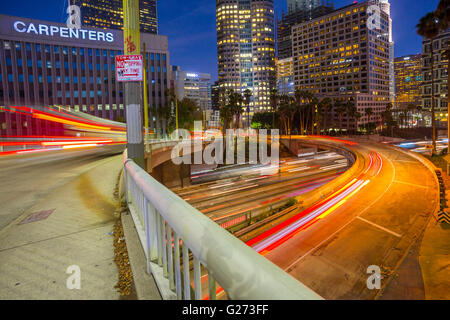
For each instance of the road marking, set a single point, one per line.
(379, 227)
(351, 220)
(411, 184)
(409, 161)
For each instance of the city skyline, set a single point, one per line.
(194, 30)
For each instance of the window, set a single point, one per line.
(49, 79)
(56, 49)
(8, 62)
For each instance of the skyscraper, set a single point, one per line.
(300, 14)
(246, 49)
(340, 56)
(408, 81)
(440, 67)
(109, 14)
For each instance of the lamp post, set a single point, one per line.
(131, 37)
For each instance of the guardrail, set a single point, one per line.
(170, 229)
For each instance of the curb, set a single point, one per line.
(146, 288)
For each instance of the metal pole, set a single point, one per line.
(145, 103)
(131, 35)
(176, 107)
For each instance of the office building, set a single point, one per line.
(193, 85)
(285, 76)
(47, 64)
(408, 81)
(304, 11)
(440, 75)
(109, 14)
(338, 56)
(246, 49)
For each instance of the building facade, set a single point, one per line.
(246, 49)
(193, 85)
(339, 56)
(305, 10)
(215, 96)
(285, 76)
(440, 67)
(47, 64)
(408, 81)
(109, 14)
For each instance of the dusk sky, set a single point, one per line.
(191, 26)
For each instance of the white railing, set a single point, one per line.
(177, 238)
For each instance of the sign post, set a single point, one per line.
(130, 70)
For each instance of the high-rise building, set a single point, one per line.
(285, 76)
(109, 14)
(304, 12)
(193, 85)
(246, 49)
(408, 81)
(341, 56)
(440, 74)
(47, 64)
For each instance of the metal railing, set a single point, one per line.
(177, 238)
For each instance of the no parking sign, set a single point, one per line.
(129, 68)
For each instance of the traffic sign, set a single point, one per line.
(129, 68)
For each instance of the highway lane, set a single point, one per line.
(377, 226)
(28, 178)
(240, 189)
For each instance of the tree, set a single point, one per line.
(274, 100)
(429, 29)
(369, 113)
(388, 119)
(351, 111)
(324, 106)
(339, 109)
(247, 96)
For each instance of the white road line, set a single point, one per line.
(411, 184)
(379, 227)
(345, 225)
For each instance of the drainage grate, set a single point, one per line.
(37, 216)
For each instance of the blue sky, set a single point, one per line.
(190, 25)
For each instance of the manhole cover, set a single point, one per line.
(37, 216)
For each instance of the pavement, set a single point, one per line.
(434, 255)
(35, 256)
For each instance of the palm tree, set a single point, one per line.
(369, 113)
(443, 15)
(350, 110)
(274, 100)
(429, 29)
(324, 106)
(339, 109)
(247, 96)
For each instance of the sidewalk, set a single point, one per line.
(434, 255)
(34, 256)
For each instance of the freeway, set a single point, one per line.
(372, 221)
(28, 177)
(238, 189)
